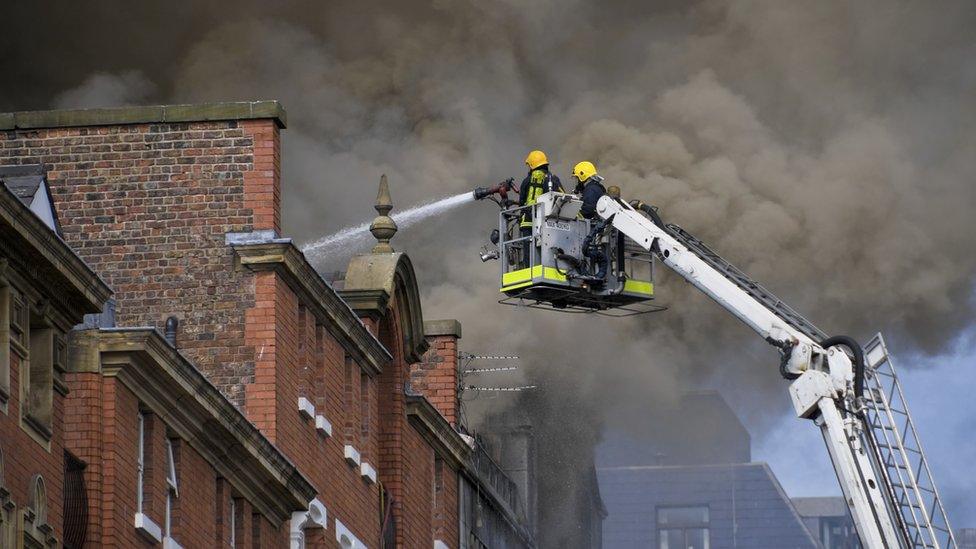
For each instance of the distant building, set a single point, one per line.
(966, 538)
(563, 506)
(829, 520)
(692, 485)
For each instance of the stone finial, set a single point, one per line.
(383, 227)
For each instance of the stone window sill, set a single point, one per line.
(148, 529)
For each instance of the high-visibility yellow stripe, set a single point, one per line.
(513, 277)
(515, 286)
(551, 273)
(639, 287)
(525, 277)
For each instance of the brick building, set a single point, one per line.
(277, 411)
(44, 290)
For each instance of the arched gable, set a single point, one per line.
(375, 284)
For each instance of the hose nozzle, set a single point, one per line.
(500, 189)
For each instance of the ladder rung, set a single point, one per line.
(894, 448)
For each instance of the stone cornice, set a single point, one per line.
(203, 112)
(282, 257)
(368, 303)
(437, 431)
(196, 410)
(79, 288)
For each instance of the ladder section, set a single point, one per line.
(898, 451)
(748, 285)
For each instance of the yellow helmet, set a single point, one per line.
(584, 170)
(536, 159)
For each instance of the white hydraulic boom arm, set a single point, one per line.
(824, 387)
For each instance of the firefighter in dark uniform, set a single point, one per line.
(590, 187)
(538, 182)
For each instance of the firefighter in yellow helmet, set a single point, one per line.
(589, 185)
(538, 182)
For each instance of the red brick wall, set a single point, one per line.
(119, 420)
(83, 438)
(147, 207)
(107, 412)
(436, 376)
(24, 457)
(195, 518)
(446, 511)
(406, 460)
(260, 335)
(297, 357)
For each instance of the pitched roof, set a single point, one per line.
(28, 182)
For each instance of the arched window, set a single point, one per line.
(37, 532)
(37, 500)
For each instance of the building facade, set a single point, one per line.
(829, 520)
(693, 485)
(277, 411)
(45, 289)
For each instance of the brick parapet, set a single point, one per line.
(436, 375)
(147, 206)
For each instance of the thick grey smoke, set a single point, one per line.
(826, 148)
(107, 90)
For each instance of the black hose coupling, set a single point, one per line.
(857, 351)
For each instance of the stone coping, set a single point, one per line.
(446, 327)
(115, 116)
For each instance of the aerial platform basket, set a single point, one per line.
(546, 269)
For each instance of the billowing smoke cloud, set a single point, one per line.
(107, 90)
(828, 149)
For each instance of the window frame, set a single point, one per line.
(172, 489)
(19, 322)
(684, 527)
(140, 461)
(232, 539)
(5, 306)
